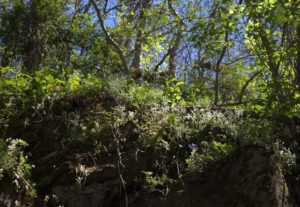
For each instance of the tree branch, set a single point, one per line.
(178, 36)
(161, 61)
(246, 85)
(218, 68)
(109, 38)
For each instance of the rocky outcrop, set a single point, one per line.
(251, 177)
(93, 195)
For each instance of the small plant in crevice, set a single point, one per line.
(207, 153)
(81, 174)
(15, 164)
(155, 180)
(283, 155)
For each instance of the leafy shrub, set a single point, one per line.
(124, 89)
(173, 90)
(14, 163)
(145, 94)
(155, 180)
(48, 82)
(207, 153)
(228, 120)
(283, 155)
(255, 131)
(160, 124)
(20, 92)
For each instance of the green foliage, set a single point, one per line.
(47, 82)
(284, 156)
(56, 63)
(156, 181)
(124, 89)
(29, 30)
(255, 130)
(14, 163)
(173, 90)
(206, 154)
(282, 98)
(160, 125)
(145, 94)
(22, 91)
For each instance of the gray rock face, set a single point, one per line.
(93, 195)
(252, 179)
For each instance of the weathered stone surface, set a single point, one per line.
(94, 195)
(10, 197)
(250, 179)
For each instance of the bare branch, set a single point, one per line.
(218, 68)
(246, 85)
(109, 38)
(161, 61)
(178, 36)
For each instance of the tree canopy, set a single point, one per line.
(231, 52)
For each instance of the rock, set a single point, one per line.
(251, 178)
(10, 197)
(94, 195)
